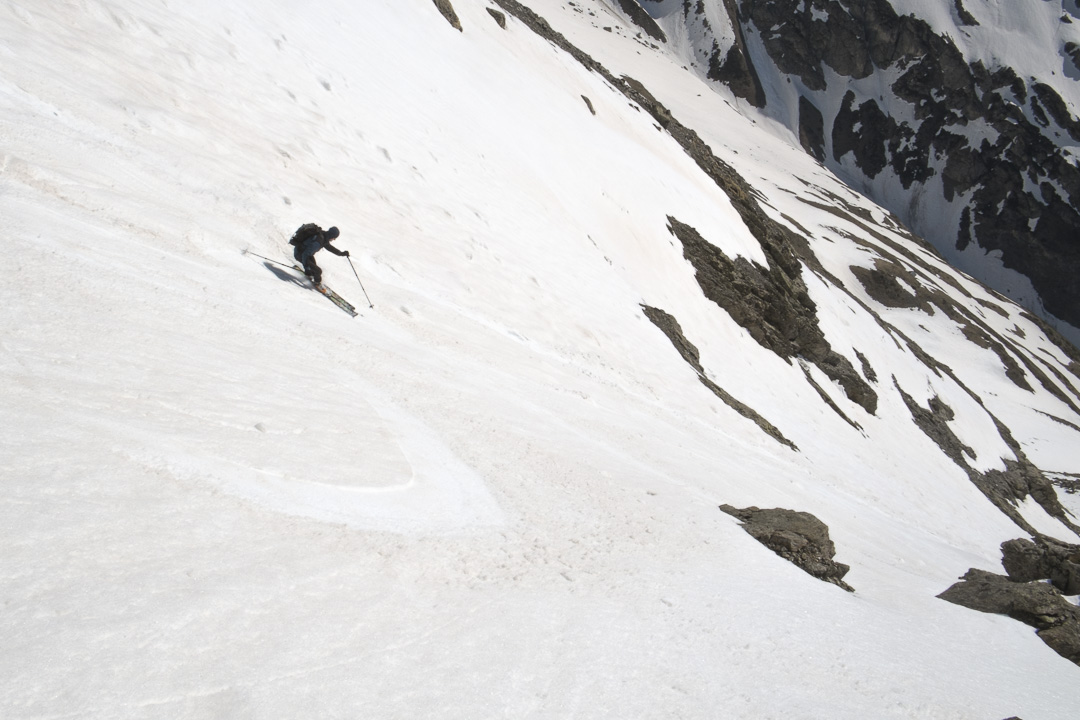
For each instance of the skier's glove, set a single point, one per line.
(345, 253)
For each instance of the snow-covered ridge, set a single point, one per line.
(495, 493)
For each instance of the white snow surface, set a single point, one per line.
(494, 494)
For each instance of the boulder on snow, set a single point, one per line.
(1043, 559)
(447, 11)
(798, 537)
(1038, 604)
(499, 17)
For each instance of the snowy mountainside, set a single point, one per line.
(495, 493)
(960, 117)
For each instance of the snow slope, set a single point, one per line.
(495, 493)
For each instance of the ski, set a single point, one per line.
(329, 294)
(321, 289)
(336, 299)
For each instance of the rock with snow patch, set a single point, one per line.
(1037, 604)
(983, 139)
(1043, 559)
(798, 537)
(689, 352)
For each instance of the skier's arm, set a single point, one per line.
(331, 248)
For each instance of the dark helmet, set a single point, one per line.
(332, 233)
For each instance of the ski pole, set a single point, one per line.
(370, 304)
(248, 252)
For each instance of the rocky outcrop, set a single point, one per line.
(811, 129)
(1019, 190)
(771, 304)
(689, 352)
(1004, 488)
(1024, 596)
(736, 70)
(642, 19)
(447, 11)
(799, 537)
(1043, 558)
(1042, 606)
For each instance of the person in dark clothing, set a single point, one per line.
(312, 242)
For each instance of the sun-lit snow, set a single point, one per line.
(494, 493)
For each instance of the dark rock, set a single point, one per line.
(642, 19)
(882, 283)
(499, 17)
(798, 537)
(1057, 109)
(934, 422)
(737, 70)
(863, 131)
(867, 369)
(645, 98)
(1036, 232)
(811, 129)
(1037, 604)
(1070, 486)
(1012, 369)
(1004, 488)
(771, 303)
(826, 398)
(1043, 559)
(447, 11)
(1072, 51)
(689, 352)
(588, 104)
(965, 17)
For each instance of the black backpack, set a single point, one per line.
(304, 232)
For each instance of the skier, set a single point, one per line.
(310, 239)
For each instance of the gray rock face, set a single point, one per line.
(1019, 190)
(1043, 559)
(798, 537)
(1035, 603)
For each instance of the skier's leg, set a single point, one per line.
(312, 270)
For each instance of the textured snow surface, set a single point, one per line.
(495, 493)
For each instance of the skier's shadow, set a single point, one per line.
(284, 274)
